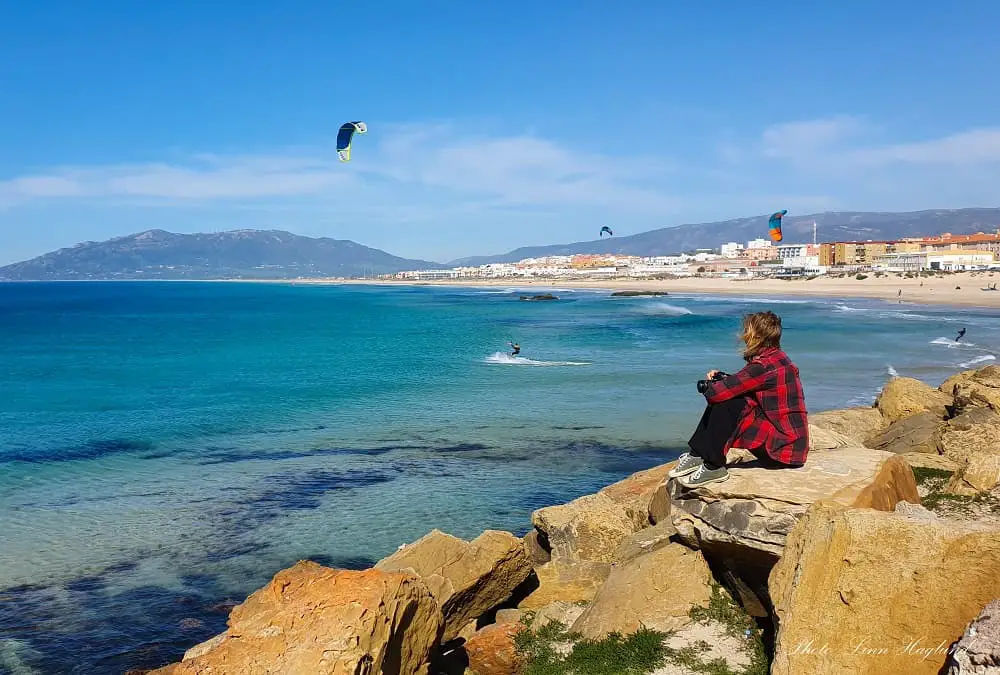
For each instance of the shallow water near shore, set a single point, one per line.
(165, 448)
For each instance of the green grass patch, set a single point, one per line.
(925, 475)
(949, 503)
(641, 652)
(934, 481)
(636, 654)
(723, 609)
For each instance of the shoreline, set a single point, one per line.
(934, 291)
(957, 289)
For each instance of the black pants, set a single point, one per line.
(716, 427)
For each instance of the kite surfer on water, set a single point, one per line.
(961, 334)
(515, 348)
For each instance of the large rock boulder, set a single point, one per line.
(757, 507)
(904, 396)
(536, 548)
(492, 651)
(643, 495)
(826, 439)
(929, 461)
(858, 424)
(313, 620)
(917, 433)
(572, 581)
(978, 652)
(466, 578)
(656, 590)
(589, 528)
(644, 541)
(875, 593)
(972, 440)
(978, 388)
(592, 527)
(973, 417)
(565, 613)
(980, 473)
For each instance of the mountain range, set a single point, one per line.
(274, 254)
(830, 226)
(239, 254)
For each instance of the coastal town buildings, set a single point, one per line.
(756, 258)
(730, 250)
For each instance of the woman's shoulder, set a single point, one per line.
(773, 357)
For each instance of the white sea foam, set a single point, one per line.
(864, 400)
(953, 344)
(12, 657)
(505, 359)
(893, 313)
(979, 359)
(892, 371)
(743, 299)
(662, 309)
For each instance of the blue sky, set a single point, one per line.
(491, 125)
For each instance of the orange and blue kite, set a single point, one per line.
(774, 224)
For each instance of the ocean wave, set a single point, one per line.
(892, 371)
(540, 289)
(505, 359)
(953, 344)
(863, 400)
(979, 359)
(743, 299)
(893, 314)
(662, 309)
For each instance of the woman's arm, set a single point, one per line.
(753, 377)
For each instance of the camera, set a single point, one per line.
(703, 384)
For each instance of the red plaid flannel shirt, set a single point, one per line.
(775, 415)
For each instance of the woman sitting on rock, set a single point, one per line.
(760, 409)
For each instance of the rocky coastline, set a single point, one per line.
(880, 556)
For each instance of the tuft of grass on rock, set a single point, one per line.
(722, 609)
(925, 475)
(553, 650)
(949, 504)
(932, 482)
(636, 654)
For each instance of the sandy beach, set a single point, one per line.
(963, 288)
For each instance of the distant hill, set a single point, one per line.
(247, 254)
(831, 226)
(274, 254)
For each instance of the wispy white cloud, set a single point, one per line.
(799, 139)
(973, 147)
(31, 187)
(840, 139)
(408, 164)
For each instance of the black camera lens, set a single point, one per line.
(702, 386)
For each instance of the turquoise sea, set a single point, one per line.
(166, 447)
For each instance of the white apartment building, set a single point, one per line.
(730, 250)
(759, 243)
(793, 250)
(946, 261)
(809, 264)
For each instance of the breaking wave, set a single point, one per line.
(504, 359)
